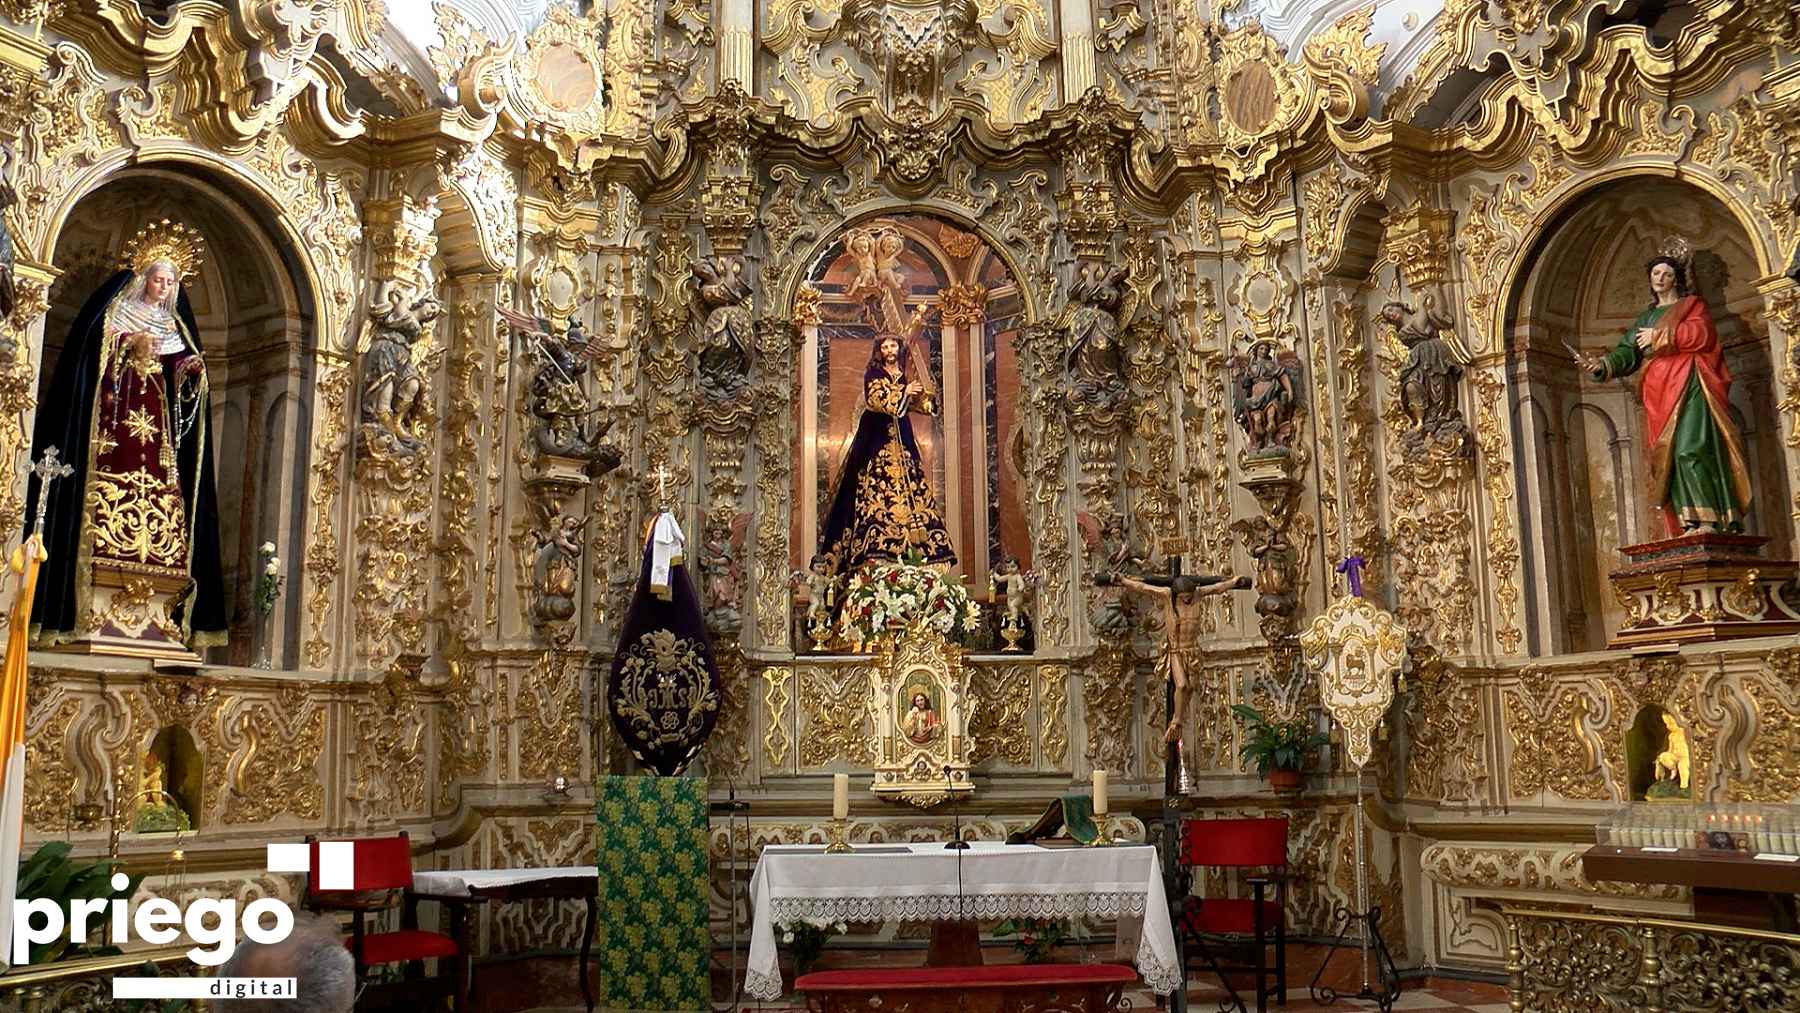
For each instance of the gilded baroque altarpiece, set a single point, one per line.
(1267, 208)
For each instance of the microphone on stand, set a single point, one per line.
(956, 841)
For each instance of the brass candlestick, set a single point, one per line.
(837, 836)
(820, 630)
(1102, 824)
(1014, 632)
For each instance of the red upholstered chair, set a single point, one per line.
(382, 879)
(1239, 844)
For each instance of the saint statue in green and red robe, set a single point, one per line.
(1698, 473)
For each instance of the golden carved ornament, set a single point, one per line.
(776, 740)
(1555, 870)
(1553, 748)
(834, 716)
(1330, 196)
(728, 747)
(1417, 240)
(1265, 291)
(1053, 709)
(275, 767)
(1106, 694)
(963, 305)
(999, 728)
(806, 305)
(549, 702)
(1558, 959)
(1502, 540)
(562, 72)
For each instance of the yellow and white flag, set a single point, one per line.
(25, 561)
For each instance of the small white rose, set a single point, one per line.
(273, 567)
(787, 937)
(268, 548)
(841, 927)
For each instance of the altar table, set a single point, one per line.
(578, 882)
(922, 883)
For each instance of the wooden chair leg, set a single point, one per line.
(1281, 959)
(459, 996)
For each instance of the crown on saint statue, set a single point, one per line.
(165, 240)
(1678, 249)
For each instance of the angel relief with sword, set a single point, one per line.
(563, 419)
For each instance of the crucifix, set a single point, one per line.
(48, 469)
(662, 475)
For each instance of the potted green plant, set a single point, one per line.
(1278, 748)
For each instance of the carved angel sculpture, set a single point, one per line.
(556, 571)
(395, 340)
(876, 249)
(721, 292)
(1265, 396)
(557, 399)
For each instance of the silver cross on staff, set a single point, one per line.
(48, 469)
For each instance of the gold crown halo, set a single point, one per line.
(165, 240)
(1680, 249)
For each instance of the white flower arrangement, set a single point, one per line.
(897, 595)
(268, 583)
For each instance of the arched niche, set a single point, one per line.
(254, 312)
(1581, 448)
(974, 452)
(1655, 751)
(171, 782)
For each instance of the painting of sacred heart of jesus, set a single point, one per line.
(919, 690)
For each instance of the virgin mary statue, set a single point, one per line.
(129, 407)
(884, 508)
(1698, 474)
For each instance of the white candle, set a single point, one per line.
(1099, 793)
(840, 796)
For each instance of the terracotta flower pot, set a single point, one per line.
(1285, 780)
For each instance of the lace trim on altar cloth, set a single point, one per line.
(1162, 978)
(766, 987)
(950, 907)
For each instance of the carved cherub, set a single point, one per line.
(556, 571)
(876, 248)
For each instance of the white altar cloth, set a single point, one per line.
(459, 882)
(794, 884)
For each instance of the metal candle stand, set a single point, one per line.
(1367, 922)
(1358, 691)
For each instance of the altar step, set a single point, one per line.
(548, 984)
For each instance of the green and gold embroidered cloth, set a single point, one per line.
(653, 935)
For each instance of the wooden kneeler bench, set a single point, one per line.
(1007, 988)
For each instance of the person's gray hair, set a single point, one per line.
(313, 955)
